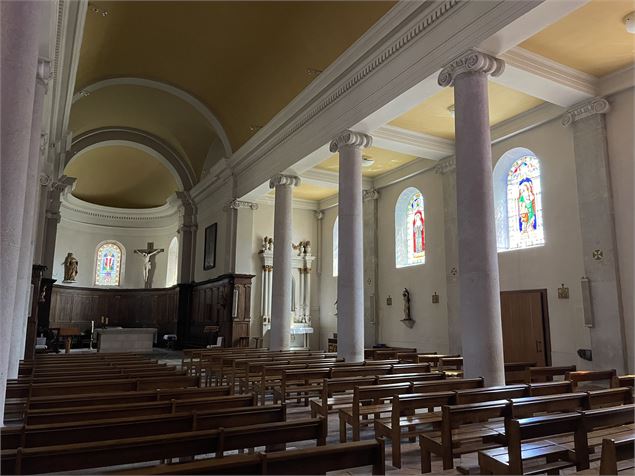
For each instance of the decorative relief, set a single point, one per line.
(318, 214)
(43, 73)
(472, 61)
(370, 194)
(281, 179)
(351, 138)
(236, 204)
(445, 165)
(585, 109)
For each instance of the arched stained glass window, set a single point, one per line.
(518, 200)
(108, 264)
(410, 236)
(335, 246)
(172, 271)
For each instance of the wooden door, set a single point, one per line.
(525, 320)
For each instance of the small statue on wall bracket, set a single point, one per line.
(70, 268)
(407, 318)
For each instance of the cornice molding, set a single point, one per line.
(446, 165)
(617, 81)
(219, 176)
(284, 180)
(412, 143)
(585, 109)
(348, 138)
(297, 203)
(327, 178)
(472, 61)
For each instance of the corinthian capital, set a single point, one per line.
(472, 61)
(236, 204)
(585, 109)
(352, 138)
(281, 179)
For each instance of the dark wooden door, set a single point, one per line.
(525, 319)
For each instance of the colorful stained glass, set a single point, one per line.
(524, 204)
(410, 241)
(108, 265)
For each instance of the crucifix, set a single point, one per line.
(148, 253)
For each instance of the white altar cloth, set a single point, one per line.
(126, 339)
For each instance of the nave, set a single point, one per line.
(256, 411)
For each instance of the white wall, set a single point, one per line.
(328, 283)
(560, 259)
(430, 333)
(620, 126)
(82, 240)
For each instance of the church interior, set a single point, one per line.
(310, 237)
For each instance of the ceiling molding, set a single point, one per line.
(219, 175)
(412, 143)
(74, 210)
(545, 79)
(130, 137)
(326, 178)
(298, 203)
(166, 88)
(617, 81)
(410, 43)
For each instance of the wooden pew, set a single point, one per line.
(546, 374)
(106, 453)
(96, 375)
(404, 417)
(515, 371)
(319, 460)
(550, 388)
(615, 450)
(591, 376)
(610, 397)
(100, 386)
(451, 366)
(31, 436)
(446, 385)
(306, 382)
(96, 412)
(624, 381)
(487, 394)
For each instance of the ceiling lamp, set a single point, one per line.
(629, 21)
(367, 161)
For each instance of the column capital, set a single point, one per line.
(584, 109)
(446, 165)
(352, 138)
(236, 204)
(318, 214)
(370, 194)
(472, 61)
(281, 179)
(62, 183)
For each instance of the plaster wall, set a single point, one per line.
(82, 240)
(328, 282)
(619, 127)
(430, 332)
(560, 259)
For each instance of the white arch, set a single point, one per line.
(172, 271)
(167, 88)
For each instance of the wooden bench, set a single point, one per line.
(96, 412)
(446, 385)
(513, 459)
(337, 392)
(303, 382)
(451, 366)
(405, 421)
(610, 397)
(487, 394)
(106, 453)
(591, 376)
(550, 388)
(546, 374)
(318, 460)
(624, 381)
(464, 429)
(614, 451)
(113, 428)
(515, 371)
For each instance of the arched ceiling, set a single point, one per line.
(244, 60)
(121, 176)
(161, 114)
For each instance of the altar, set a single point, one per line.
(125, 339)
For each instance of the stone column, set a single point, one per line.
(447, 169)
(371, 325)
(479, 308)
(56, 189)
(599, 247)
(23, 284)
(19, 27)
(281, 290)
(187, 237)
(350, 268)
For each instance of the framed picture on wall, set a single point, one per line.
(209, 257)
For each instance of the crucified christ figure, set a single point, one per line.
(148, 253)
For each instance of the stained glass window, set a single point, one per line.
(524, 204)
(410, 237)
(335, 246)
(108, 265)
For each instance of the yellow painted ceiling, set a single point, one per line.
(306, 191)
(591, 39)
(120, 176)
(151, 110)
(385, 161)
(432, 115)
(244, 60)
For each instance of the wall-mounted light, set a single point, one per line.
(629, 22)
(435, 298)
(367, 161)
(563, 292)
(389, 301)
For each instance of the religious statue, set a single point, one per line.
(70, 268)
(147, 254)
(407, 319)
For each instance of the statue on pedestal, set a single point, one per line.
(71, 265)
